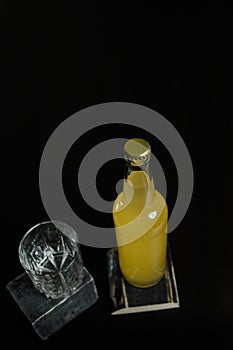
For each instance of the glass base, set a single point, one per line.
(130, 299)
(49, 315)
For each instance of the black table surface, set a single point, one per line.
(58, 63)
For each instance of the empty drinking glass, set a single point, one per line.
(51, 256)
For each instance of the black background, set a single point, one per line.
(59, 60)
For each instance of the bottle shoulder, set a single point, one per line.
(158, 202)
(119, 202)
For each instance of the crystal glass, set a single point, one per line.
(51, 256)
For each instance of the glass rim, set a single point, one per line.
(44, 223)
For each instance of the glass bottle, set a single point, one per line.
(140, 216)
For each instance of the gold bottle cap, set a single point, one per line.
(137, 151)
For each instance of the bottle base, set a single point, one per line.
(139, 285)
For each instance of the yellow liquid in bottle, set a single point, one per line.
(140, 216)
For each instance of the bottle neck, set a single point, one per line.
(130, 168)
(138, 182)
